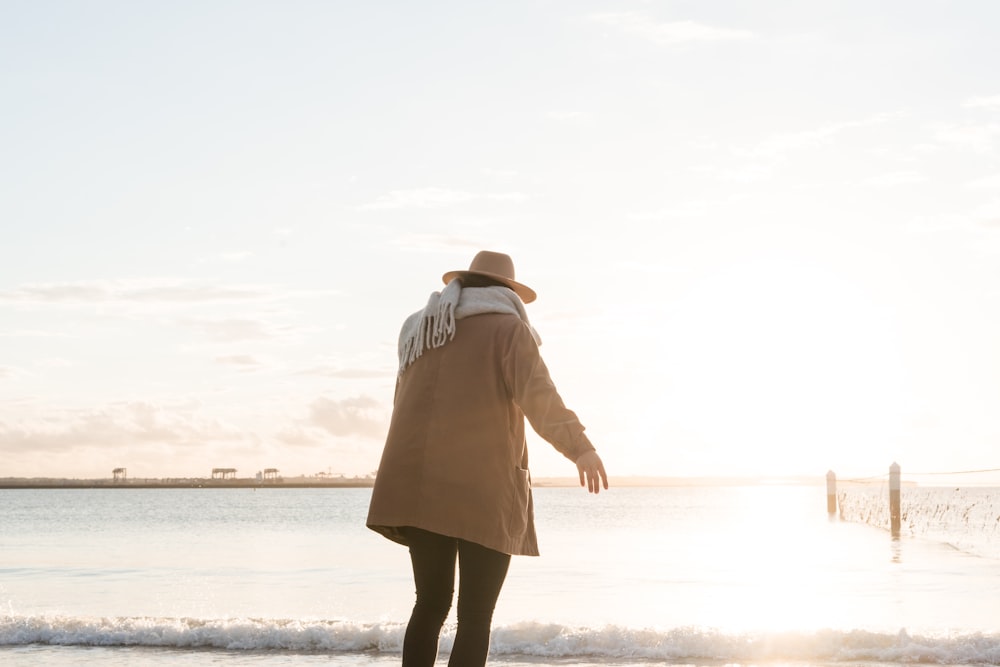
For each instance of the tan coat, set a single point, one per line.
(455, 460)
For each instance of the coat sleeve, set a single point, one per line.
(535, 393)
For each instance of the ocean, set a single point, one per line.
(679, 575)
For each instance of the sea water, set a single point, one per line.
(661, 575)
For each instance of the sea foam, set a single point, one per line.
(528, 639)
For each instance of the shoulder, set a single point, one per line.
(505, 323)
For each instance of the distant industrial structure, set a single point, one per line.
(222, 478)
(269, 474)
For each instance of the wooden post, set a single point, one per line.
(831, 492)
(894, 485)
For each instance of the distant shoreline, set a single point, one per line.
(17, 483)
(356, 483)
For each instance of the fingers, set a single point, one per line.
(595, 477)
(587, 478)
(592, 474)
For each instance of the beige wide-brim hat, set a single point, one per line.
(499, 267)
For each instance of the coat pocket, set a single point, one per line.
(521, 505)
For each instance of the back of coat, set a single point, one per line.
(455, 460)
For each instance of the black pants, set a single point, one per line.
(482, 573)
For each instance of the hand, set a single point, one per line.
(591, 468)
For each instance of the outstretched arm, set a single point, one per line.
(591, 469)
(534, 391)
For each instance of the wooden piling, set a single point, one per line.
(831, 492)
(894, 513)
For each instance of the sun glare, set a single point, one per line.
(766, 573)
(773, 355)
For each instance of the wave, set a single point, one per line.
(529, 639)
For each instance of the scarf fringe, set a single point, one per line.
(435, 325)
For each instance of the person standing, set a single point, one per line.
(453, 481)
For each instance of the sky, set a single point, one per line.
(765, 236)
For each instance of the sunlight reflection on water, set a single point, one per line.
(734, 558)
(740, 559)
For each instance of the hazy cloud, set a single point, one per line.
(574, 117)
(434, 242)
(115, 425)
(894, 178)
(6, 372)
(232, 329)
(298, 436)
(54, 362)
(682, 210)
(434, 198)
(978, 137)
(32, 333)
(991, 101)
(131, 292)
(985, 183)
(988, 214)
(362, 416)
(499, 173)
(243, 362)
(780, 144)
(349, 373)
(746, 173)
(236, 255)
(938, 224)
(671, 32)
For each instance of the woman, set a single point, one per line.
(454, 478)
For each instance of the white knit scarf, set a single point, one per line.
(435, 324)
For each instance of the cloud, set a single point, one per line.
(569, 116)
(6, 372)
(978, 137)
(434, 198)
(683, 210)
(55, 362)
(780, 144)
(434, 243)
(235, 255)
(672, 32)
(115, 426)
(32, 333)
(362, 416)
(242, 362)
(746, 173)
(298, 436)
(985, 183)
(942, 223)
(499, 173)
(988, 214)
(233, 329)
(990, 102)
(151, 291)
(350, 373)
(894, 178)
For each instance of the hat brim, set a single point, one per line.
(526, 293)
